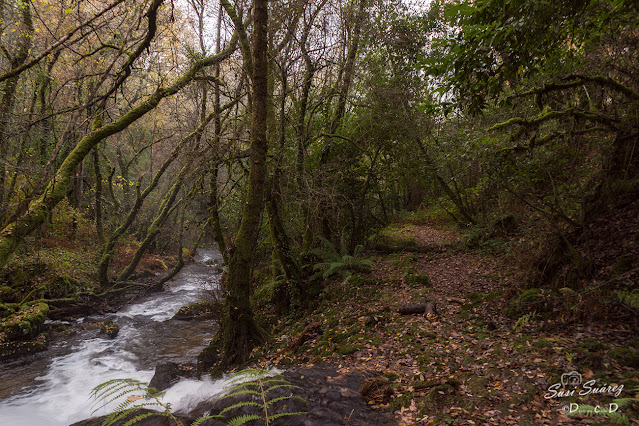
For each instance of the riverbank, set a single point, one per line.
(467, 361)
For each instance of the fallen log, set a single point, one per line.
(430, 311)
(412, 309)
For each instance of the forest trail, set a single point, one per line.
(471, 364)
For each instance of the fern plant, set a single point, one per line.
(338, 262)
(524, 320)
(136, 395)
(615, 416)
(258, 384)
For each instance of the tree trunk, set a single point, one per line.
(290, 294)
(239, 330)
(154, 229)
(98, 196)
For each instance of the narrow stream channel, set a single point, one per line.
(52, 388)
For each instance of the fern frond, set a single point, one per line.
(115, 389)
(112, 418)
(241, 404)
(283, 398)
(278, 415)
(144, 416)
(327, 251)
(242, 392)
(200, 420)
(282, 385)
(245, 418)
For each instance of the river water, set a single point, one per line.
(52, 388)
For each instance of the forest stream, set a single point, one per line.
(53, 387)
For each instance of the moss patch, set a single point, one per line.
(26, 323)
(625, 356)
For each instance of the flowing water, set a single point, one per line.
(52, 388)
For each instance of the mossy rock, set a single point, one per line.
(7, 294)
(208, 357)
(16, 348)
(198, 310)
(110, 328)
(592, 345)
(61, 286)
(622, 265)
(20, 275)
(419, 280)
(26, 323)
(527, 301)
(625, 356)
(7, 309)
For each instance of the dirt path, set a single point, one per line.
(471, 364)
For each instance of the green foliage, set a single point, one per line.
(499, 42)
(136, 395)
(524, 320)
(630, 299)
(258, 383)
(524, 303)
(613, 414)
(393, 238)
(625, 356)
(338, 262)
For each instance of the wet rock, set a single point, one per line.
(169, 373)
(157, 419)
(199, 310)
(110, 328)
(208, 357)
(16, 348)
(325, 396)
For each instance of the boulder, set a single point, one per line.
(110, 328)
(16, 348)
(168, 373)
(27, 323)
(199, 310)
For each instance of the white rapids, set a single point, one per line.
(60, 395)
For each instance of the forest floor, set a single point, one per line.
(469, 364)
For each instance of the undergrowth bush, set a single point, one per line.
(339, 262)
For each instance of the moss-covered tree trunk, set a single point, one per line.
(214, 206)
(154, 229)
(240, 333)
(289, 295)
